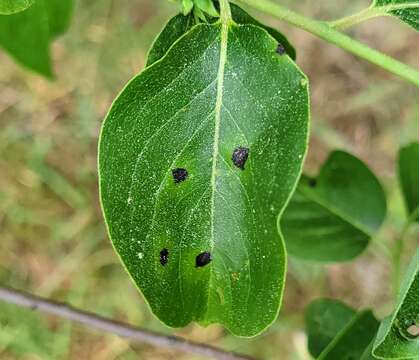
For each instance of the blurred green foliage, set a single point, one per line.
(27, 35)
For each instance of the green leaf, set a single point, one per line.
(59, 15)
(174, 29)
(367, 355)
(242, 17)
(352, 341)
(171, 191)
(405, 10)
(187, 6)
(336, 331)
(207, 6)
(397, 337)
(332, 218)
(324, 319)
(179, 25)
(201, 7)
(8, 7)
(27, 35)
(409, 178)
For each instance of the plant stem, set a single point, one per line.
(369, 13)
(357, 18)
(124, 330)
(326, 32)
(225, 12)
(398, 251)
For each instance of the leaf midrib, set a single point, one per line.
(215, 152)
(165, 124)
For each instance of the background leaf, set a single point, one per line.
(187, 6)
(332, 218)
(59, 15)
(8, 7)
(367, 355)
(27, 35)
(396, 339)
(207, 6)
(176, 185)
(180, 24)
(324, 318)
(409, 178)
(405, 10)
(335, 331)
(353, 340)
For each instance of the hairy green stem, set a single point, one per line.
(369, 13)
(357, 18)
(326, 32)
(225, 12)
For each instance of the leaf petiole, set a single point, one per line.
(369, 13)
(225, 11)
(351, 20)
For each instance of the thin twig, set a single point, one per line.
(124, 330)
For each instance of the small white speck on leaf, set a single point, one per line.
(413, 330)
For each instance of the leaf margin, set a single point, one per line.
(388, 324)
(16, 9)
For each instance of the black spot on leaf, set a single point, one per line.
(312, 183)
(164, 256)
(179, 175)
(240, 156)
(203, 259)
(280, 50)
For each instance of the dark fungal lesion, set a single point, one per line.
(179, 175)
(203, 259)
(164, 256)
(280, 50)
(312, 183)
(240, 156)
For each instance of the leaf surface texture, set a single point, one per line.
(193, 219)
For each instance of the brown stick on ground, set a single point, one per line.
(108, 325)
